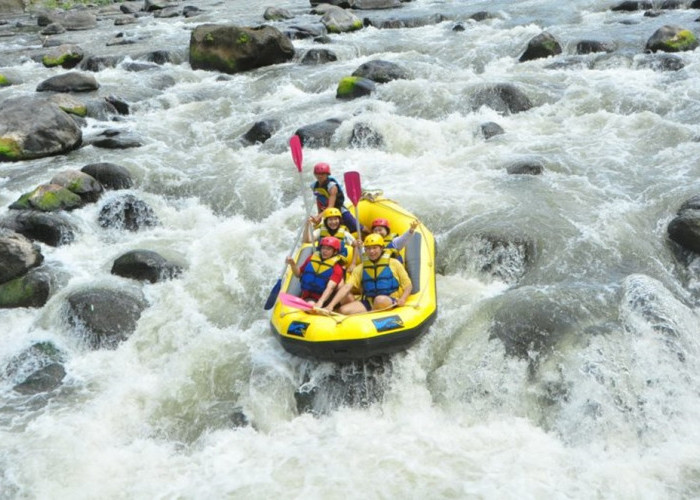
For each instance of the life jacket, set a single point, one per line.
(389, 247)
(340, 234)
(317, 273)
(377, 277)
(322, 195)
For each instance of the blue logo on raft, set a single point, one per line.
(388, 323)
(297, 328)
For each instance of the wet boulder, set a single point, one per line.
(48, 198)
(374, 4)
(145, 265)
(352, 87)
(67, 56)
(37, 369)
(29, 290)
(660, 62)
(318, 134)
(110, 175)
(115, 139)
(69, 104)
(53, 29)
(526, 166)
(406, 21)
(53, 229)
(381, 71)
(542, 46)
(337, 20)
(364, 136)
(491, 129)
(233, 49)
(34, 128)
(127, 212)
(153, 5)
(78, 20)
(684, 229)
(17, 255)
(98, 63)
(504, 98)
(592, 46)
(261, 131)
(672, 39)
(100, 109)
(80, 183)
(104, 317)
(632, 5)
(318, 56)
(276, 14)
(4, 81)
(72, 81)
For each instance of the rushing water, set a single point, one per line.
(202, 402)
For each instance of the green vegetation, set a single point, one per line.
(9, 149)
(16, 292)
(684, 40)
(243, 38)
(3, 80)
(346, 85)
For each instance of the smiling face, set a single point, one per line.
(374, 252)
(380, 230)
(333, 222)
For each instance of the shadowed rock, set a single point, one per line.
(30, 290)
(490, 129)
(504, 98)
(541, 46)
(145, 265)
(127, 212)
(352, 87)
(672, 39)
(17, 255)
(318, 56)
(104, 317)
(69, 82)
(36, 369)
(261, 131)
(50, 228)
(381, 71)
(363, 136)
(318, 134)
(110, 175)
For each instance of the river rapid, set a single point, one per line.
(202, 402)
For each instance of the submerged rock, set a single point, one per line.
(381, 71)
(127, 212)
(145, 265)
(36, 369)
(261, 131)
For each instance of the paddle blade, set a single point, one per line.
(353, 186)
(294, 301)
(272, 298)
(297, 155)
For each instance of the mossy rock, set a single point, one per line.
(30, 290)
(70, 104)
(351, 87)
(4, 82)
(49, 198)
(9, 149)
(672, 39)
(66, 60)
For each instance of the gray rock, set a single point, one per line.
(261, 131)
(591, 46)
(526, 167)
(318, 134)
(30, 290)
(381, 71)
(491, 129)
(363, 136)
(276, 14)
(72, 81)
(36, 369)
(110, 175)
(80, 183)
(542, 46)
(127, 212)
(337, 20)
(504, 98)
(17, 255)
(35, 128)
(145, 265)
(53, 29)
(52, 229)
(672, 39)
(318, 56)
(233, 49)
(104, 317)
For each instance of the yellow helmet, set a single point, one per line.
(331, 212)
(374, 239)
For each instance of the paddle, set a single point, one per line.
(354, 189)
(298, 303)
(298, 158)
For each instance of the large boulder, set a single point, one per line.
(127, 212)
(80, 183)
(145, 265)
(318, 134)
(53, 229)
(110, 175)
(337, 20)
(505, 98)
(232, 49)
(33, 128)
(30, 290)
(72, 81)
(48, 198)
(381, 71)
(78, 20)
(17, 255)
(672, 39)
(104, 317)
(543, 45)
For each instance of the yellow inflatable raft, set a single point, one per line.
(359, 336)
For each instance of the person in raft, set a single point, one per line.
(329, 193)
(392, 241)
(381, 282)
(331, 227)
(320, 273)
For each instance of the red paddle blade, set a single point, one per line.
(297, 155)
(293, 301)
(353, 186)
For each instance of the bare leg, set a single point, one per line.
(354, 307)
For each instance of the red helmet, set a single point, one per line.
(322, 168)
(380, 222)
(330, 241)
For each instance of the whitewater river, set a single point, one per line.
(602, 399)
